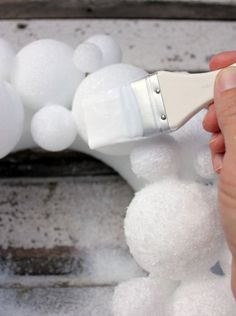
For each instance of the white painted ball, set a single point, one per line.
(139, 297)
(173, 228)
(156, 158)
(88, 57)
(44, 73)
(7, 55)
(53, 128)
(11, 119)
(204, 296)
(111, 52)
(101, 81)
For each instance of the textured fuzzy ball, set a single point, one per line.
(7, 55)
(44, 73)
(205, 296)
(111, 52)
(53, 128)
(11, 119)
(88, 57)
(156, 159)
(226, 260)
(203, 164)
(173, 229)
(139, 297)
(103, 80)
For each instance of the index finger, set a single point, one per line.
(222, 60)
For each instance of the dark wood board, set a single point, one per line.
(28, 9)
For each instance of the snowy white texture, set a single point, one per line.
(203, 164)
(204, 296)
(226, 260)
(173, 229)
(110, 77)
(53, 128)
(139, 297)
(111, 52)
(44, 73)
(11, 119)
(156, 159)
(88, 57)
(7, 55)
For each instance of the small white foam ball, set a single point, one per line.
(173, 228)
(203, 164)
(44, 73)
(7, 55)
(139, 297)
(155, 159)
(53, 128)
(11, 119)
(205, 296)
(101, 81)
(111, 52)
(226, 260)
(88, 57)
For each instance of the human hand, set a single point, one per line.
(221, 122)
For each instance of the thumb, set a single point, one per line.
(225, 104)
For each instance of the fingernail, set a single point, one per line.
(213, 138)
(226, 79)
(217, 162)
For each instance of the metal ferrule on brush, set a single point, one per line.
(148, 95)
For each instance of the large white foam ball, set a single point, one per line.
(205, 296)
(111, 52)
(139, 297)
(156, 159)
(88, 57)
(173, 229)
(226, 260)
(53, 128)
(44, 73)
(7, 55)
(11, 119)
(102, 81)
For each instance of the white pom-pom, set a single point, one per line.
(139, 297)
(44, 73)
(88, 57)
(99, 82)
(156, 159)
(205, 296)
(7, 55)
(203, 164)
(11, 119)
(110, 49)
(226, 260)
(53, 128)
(173, 229)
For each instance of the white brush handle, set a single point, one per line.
(185, 94)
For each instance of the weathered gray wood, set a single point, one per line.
(197, 9)
(150, 44)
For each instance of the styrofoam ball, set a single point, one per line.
(88, 57)
(11, 119)
(226, 260)
(173, 228)
(139, 297)
(155, 159)
(103, 80)
(111, 52)
(7, 55)
(203, 164)
(53, 128)
(205, 296)
(44, 73)
(167, 286)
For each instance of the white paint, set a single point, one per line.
(53, 128)
(7, 55)
(11, 119)
(44, 73)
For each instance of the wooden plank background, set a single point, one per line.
(171, 9)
